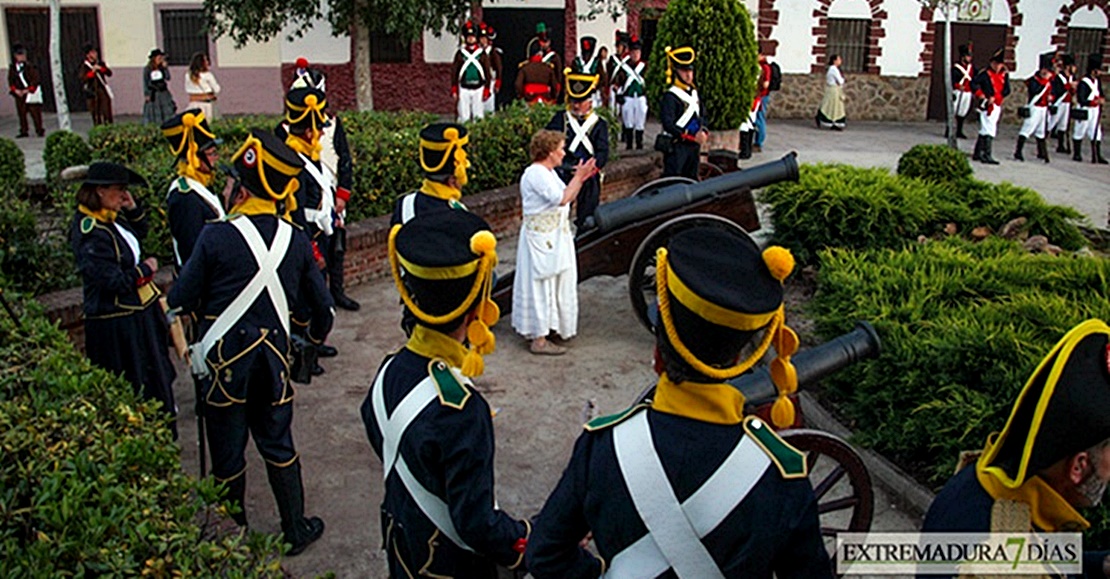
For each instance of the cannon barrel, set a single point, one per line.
(813, 364)
(617, 213)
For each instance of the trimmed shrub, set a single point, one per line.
(64, 149)
(90, 479)
(727, 64)
(31, 260)
(936, 163)
(13, 171)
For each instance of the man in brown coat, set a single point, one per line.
(94, 84)
(24, 86)
(536, 82)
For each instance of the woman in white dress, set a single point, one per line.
(201, 86)
(831, 115)
(545, 286)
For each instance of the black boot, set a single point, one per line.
(1063, 144)
(299, 531)
(988, 154)
(639, 140)
(1077, 150)
(1096, 153)
(236, 495)
(978, 154)
(960, 128)
(626, 138)
(1042, 150)
(746, 139)
(1018, 154)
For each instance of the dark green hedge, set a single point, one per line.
(937, 163)
(13, 172)
(90, 479)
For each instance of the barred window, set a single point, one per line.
(1082, 42)
(850, 38)
(389, 48)
(184, 33)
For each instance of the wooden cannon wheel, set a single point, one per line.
(641, 274)
(707, 170)
(845, 498)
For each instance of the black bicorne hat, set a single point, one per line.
(104, 173)
(19, 49)
(266, 166)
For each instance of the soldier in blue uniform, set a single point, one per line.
(125, 332)
(1052, 457)
(587, 138)
(681, 115)
(424, 418)
(685, 485)
(244, 273)
(189, 202)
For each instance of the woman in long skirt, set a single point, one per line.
(831, 114)
(159, 106)
(545, 286)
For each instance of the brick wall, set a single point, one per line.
(366, 240)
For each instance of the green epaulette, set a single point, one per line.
(183, 185)
(87, 224)
(790, 461)
(451, 391)
(456, 204)
(602, 422)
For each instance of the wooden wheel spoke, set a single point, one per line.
(831, 532)
(837, 505)
(829, 481)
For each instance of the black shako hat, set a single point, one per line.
(443, 266)
(304, 109)
(104, 173)
(580, 86)
(1045, 60)
(715, 290)
(266, 166)
(1067, 59)
(964, 50)
(1062, 409)
(999, 56)
(443, 151)
(1094, 62)
(188, 134)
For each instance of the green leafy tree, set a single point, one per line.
(261, 20)
(727, 65)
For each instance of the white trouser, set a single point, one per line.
(490, 104)
(1090, 128)
(613, 106)
(1036, 122)
(634, 112)
(470, 104)
(988, 122)
(1059, 120)
(961, 101)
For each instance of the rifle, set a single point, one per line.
(181, 348)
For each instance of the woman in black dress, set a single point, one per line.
(125, 330)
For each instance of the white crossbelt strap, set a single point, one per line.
(674, 532)
(471, 58)
(408, 208)
(129, 239)
(265, 279)
(965, 72)
(207, 196)
(547, 57)
(1094, 90)
(320, 215)
(691, 101)
(633, 74)
(392, 430)
(581, 132)
(588, 67)
(1037, 98)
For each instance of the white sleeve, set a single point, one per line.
(213, 86)
(540, 190)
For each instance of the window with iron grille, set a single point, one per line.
(389, 48)
(184, 33)
(1082, 42)
(850, 38)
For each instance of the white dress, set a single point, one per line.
(205, 84)
(545, 285)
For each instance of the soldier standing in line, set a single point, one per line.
(1088, 111)
(243, 274)
(587, 137)
(681, 116)
(470, 76)
(991, 86)
(963, 71)
(632, 96)
(536, 81)
(550, 57)
(590, 62)
(189, 202)
(485, 39)
(1040, 98)
(1063, 90)
(616, 62)
(425, 419)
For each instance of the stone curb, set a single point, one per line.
(910, 496)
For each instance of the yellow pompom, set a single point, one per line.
(780, 261)
(189, 120)
(490, 313)
(310, 101)
(451, 134)
(782, 412)
(483, 242)
(473, 365)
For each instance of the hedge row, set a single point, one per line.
(90, 479)
(849, 207)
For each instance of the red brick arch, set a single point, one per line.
(928, 37)
(821, 38)
(1060, 39)
(768, 19)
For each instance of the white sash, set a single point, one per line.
(320, 215)
(581, 132)
(266, 278)
(472, 58)
(691, 101)
(547, 57)
(129, 239)
(675, 531)
(965, 72)
(392, 429)
(100, 77)
(1094, 91)
(633, 74)
(1044, 89)
(587, 67)
(207, 196)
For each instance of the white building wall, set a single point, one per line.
(795, 35)
(902, 44)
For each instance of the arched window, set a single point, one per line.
(849, 30)
(1086, 35)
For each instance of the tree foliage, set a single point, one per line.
(727, 65)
